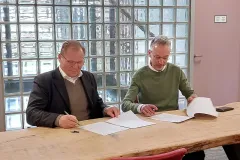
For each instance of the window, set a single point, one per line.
(115, 33)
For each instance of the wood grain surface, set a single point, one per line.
(195, 134)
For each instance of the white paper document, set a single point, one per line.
(201, 105)
(129, 120)
(170, 118)
(103, 128)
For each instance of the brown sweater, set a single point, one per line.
(78, 99)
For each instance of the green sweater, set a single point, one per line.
(158, 88)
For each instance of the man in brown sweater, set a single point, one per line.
(67, 89)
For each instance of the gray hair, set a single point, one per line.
(160, 40)
(71, 44)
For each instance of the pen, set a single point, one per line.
(69, 114)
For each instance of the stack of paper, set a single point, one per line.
(103, 128)
(122, 122)
(198, 105)
(129, 120)
(170, 118)
(201, 105)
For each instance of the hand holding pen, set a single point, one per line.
(68, 121)
(74, 116)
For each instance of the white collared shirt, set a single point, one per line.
(70, 79)
(150, 66)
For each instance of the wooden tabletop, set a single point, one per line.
(50, 144)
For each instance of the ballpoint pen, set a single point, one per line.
(69, 114)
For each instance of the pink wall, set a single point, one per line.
(217, 74)
(238, 26)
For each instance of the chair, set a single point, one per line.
(173, 155)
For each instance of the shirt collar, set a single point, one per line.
(70, 79)
(150, 66)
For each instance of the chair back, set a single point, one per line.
(173, 155)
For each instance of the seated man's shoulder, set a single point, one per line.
(141, 70)
(91, 77)
(87, 74)
(45, 77)
(174, 67)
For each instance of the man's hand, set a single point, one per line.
(148, 109)
(68, 121)
(190, 99)
(112, 111)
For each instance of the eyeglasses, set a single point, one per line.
(72, 63)
(163, 58)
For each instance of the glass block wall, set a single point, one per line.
(115, 33)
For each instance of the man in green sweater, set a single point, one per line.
(157, 85)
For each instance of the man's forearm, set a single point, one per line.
(129, 105)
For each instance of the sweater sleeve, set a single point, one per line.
(184, 86)
(129, 101)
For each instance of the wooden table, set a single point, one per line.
(195, 134)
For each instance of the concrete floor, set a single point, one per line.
(215, 154)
